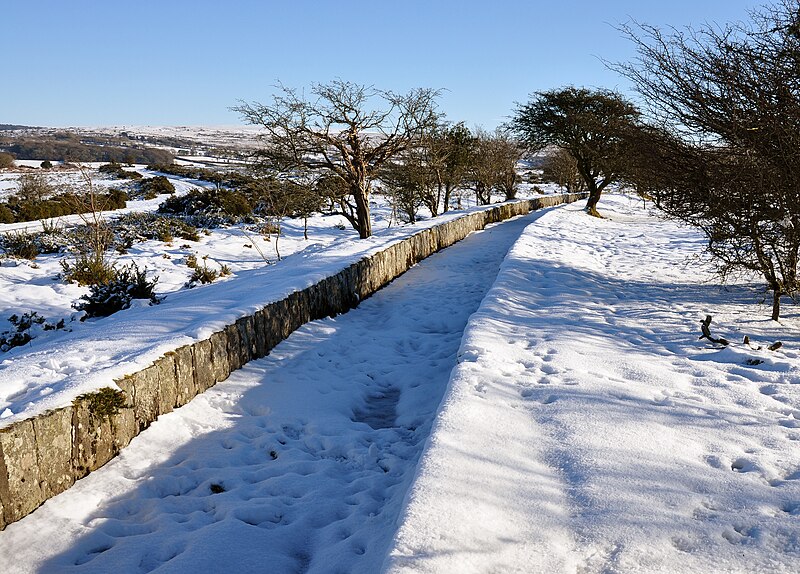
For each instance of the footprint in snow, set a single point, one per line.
(792, 508)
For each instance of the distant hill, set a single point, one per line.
(65, 146)
(13, 127)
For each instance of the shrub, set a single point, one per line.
(46, 164)
(203, 274)
(26, 328)
(88, 269)
(135, 227)
(115, 170)
(31, 209)
(116, 294)
(33, 187)
(6, 160)
(20, 244)
(27, 245)
(152, 187)
(209, 207)
(6, 215)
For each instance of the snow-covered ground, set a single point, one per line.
(585, 428)
(299, 462)
(58, 365)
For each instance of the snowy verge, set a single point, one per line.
(586, 428)
(45, 376)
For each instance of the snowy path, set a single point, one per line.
(588, 430)
(297, 463)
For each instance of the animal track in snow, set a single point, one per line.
(792, 508)
(744, 465)
(92, 554)
(737, 534)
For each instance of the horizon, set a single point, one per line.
(187, 63)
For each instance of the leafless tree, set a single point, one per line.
(345, 130)
(493, 165)
(725, 107)
(34, 187)
(448, 151)
(6, 160)
(589, 124)
(561, 168)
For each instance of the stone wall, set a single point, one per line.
(43, 456)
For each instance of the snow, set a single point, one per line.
(578, 425)
(587, 429)
(311, 449)
(59, 365)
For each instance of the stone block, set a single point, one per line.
(124, 427)
(186, 387)
(273, 333)
(203, 366)
(220, 364)
(53, 431)
(20, 489)
(247, 339)
(167, 383)
(260, 333)
(146, 400)
(92, 442)
(98, 437)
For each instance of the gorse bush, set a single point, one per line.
(88, 269)
(128, 283)
(6, 215)
(135, 227)
(152, 187)
(26, 328)
(28, 245)
(18, 209)
(209, 207)
(20, 244)
(114, 169)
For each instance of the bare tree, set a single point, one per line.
(346, 130)
(725, 104)
(34, 187)
(589, 124)
(493, 166)
(281, 199)
(6, 160)
(561, 168)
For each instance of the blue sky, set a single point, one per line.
(186, 62)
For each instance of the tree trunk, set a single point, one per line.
(591, 203)
(776, 304)
(362, 213)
